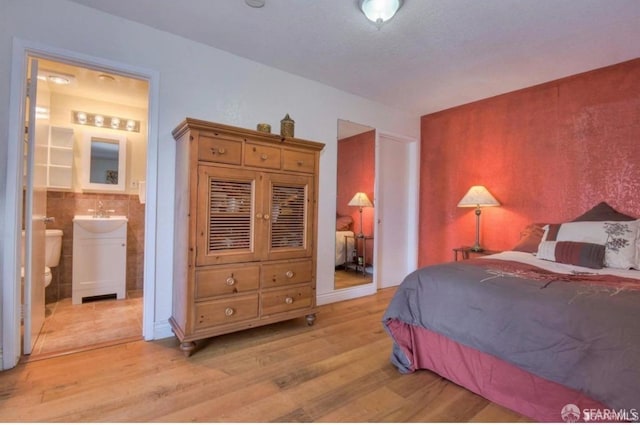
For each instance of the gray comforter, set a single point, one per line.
(574, 331)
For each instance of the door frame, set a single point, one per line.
(12, 214)
(411, 209)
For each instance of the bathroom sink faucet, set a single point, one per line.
(101, 212)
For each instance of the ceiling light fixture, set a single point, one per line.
(106, 77)
(255, 3)
(379, 11)
(55, 77)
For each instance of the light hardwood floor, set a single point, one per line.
(346, 279)
(74, 327)
(335, 371)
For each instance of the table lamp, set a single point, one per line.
(360, 200)
(476, 197)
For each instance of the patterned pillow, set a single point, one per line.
(618, 237)
(577, 253)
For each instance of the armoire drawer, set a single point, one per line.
(262, 156)
(225, 311)
(212, 282)
(217, 149)
(286, 273)
(298, 161)
(288, 299)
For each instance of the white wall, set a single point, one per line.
(201, 82)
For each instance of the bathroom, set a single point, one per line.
(77, 103)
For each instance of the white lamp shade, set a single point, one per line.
(478, 196)
(360, 199)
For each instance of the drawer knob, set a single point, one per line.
(258, 216)
(230, 281)
(289, 274)
(219, 151)
(300, 162)
(266, 216)
(288, 300)
(263, 157)
(229, 312)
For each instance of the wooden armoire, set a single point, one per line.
(245, 230)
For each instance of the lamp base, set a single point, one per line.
(476, 246)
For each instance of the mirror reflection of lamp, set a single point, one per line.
(115, 123)
(476, 197)
(360, 200)
(131, 125)
(98, 120)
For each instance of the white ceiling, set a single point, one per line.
(432, 55)
(94, 84)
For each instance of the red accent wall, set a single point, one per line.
(547, 153)
(356, 173)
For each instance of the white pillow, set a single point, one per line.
(619, 237)
(547, 250)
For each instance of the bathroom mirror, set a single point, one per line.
(104, 159)
(355, 237)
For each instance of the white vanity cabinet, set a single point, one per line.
(99, 257)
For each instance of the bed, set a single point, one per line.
(344, 246)
(553, 335)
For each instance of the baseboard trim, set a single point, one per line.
(162, 330)
(346, 294)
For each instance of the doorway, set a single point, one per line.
(143, 270)
(71, 92)
(397, 213)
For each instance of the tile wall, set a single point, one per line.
(64, 205)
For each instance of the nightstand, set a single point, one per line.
(466, 253)
(360, 264)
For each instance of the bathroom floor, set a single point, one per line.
(69, 328)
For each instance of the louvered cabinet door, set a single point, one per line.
(225, 217)
(290, 199)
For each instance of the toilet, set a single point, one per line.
(52, 250)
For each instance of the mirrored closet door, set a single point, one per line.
(355, 236)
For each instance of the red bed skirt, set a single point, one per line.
(486, 375)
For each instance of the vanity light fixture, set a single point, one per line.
(81, 118)
(101, 120)
(379, 11)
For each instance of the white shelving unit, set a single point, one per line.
(60, 158)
